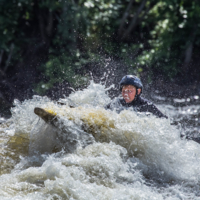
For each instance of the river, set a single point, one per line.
(122, 156)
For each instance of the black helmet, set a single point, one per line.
(131, 80)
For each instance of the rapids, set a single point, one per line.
(97, 153)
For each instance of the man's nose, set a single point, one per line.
(125, 93)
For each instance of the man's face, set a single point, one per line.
(129, 92)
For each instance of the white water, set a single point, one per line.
(131, 156)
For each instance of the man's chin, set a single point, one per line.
(127, 100)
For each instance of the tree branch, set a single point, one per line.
(125, 16)
(142, 17)
(41, 24)
(134, 20)
(188, 53)
(189, 50)
(50, 24)
(9, 57)
(1, 55)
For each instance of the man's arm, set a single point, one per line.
(150, 107)
(153, 109)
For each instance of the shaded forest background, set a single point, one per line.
(48, 47)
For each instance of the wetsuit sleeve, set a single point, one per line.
(154, 110)
(150, 107)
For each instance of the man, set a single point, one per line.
(131, 89)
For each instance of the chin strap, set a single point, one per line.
(136, 95)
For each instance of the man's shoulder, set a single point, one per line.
(148, 106)
(143, 101)
(114, 102)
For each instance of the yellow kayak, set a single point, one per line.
(102, 124)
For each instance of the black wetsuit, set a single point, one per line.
(139, 105)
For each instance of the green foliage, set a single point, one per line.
(79, 37)
(77, 33)
(65, 67)
(173, 27)
(18, 22)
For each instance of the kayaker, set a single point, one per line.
(131, 88)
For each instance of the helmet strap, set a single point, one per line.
(136, 95)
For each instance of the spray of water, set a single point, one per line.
(95, 153)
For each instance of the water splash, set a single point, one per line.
(112, 156)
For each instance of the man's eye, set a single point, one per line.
(127, 91)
